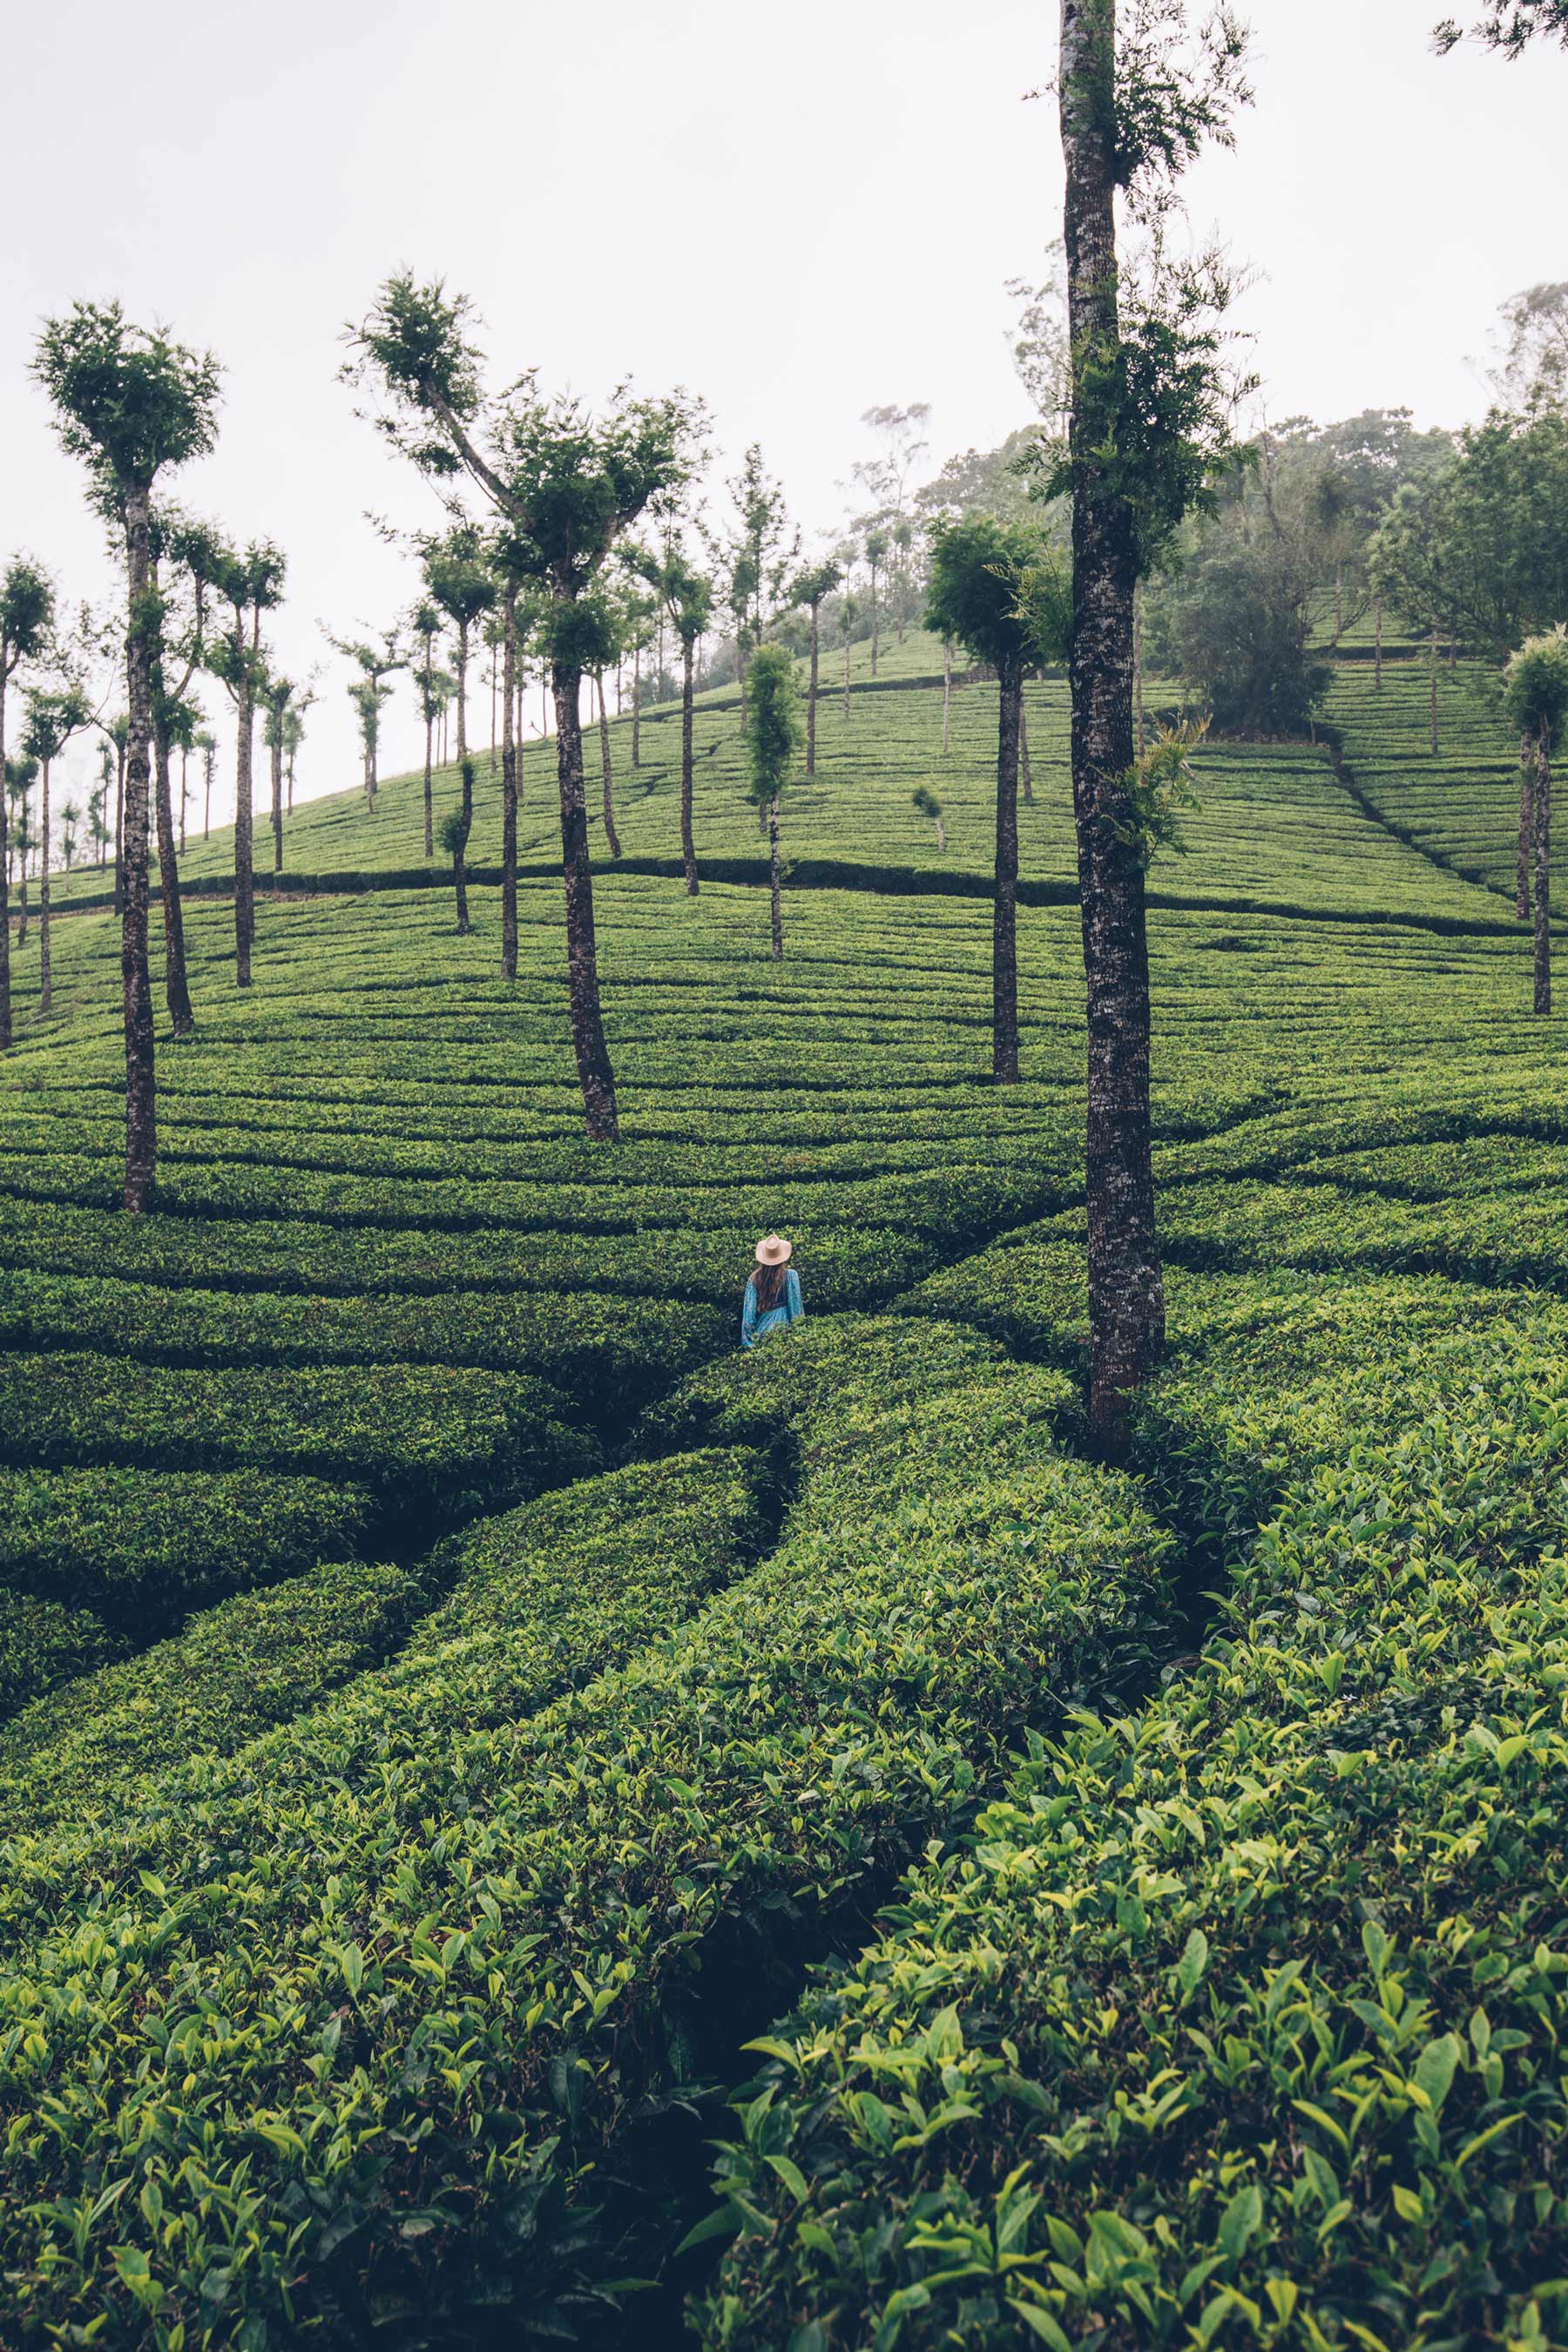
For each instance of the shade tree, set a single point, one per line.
(456, 826)
(990, 589)
(375, 662)
(686, 592)
(460, 583)
(773, 737)
(132, 404)
(761, 550)
(187, 557)
(27, 622)
(250, 585)
(570, 484)
(1535, 696)
(53, 715)
(808, 588)
(1153, 390)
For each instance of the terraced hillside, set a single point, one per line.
(465, 1726)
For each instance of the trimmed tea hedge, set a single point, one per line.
(450, 1974)
(43, 1644)
(1239, 2020)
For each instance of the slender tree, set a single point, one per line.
(70, 818)
(761, 549)
(97, 826)
(926, 803)
(278, 697)
(819, 580)
(53, 718)
(1149, 420)
(26, 620)
(876, 556)
(206, 744)
(1535, 697)
(21, 776)
(849, 620)
(989, 588)
(570, 485)
(250, 585)
(187, 558)
(686, 595)
(456, 827)
(132, 404)
(772, 739)
(460, 583)
(425, 624)
(369, 691)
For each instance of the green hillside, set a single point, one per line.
(469, 1738)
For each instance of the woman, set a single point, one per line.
(773, 1295)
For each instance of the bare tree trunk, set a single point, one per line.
(687, 851)
(637, 707)
(811, 702)
(595, 1073)
(1377, 643)
(1543, 877)
(875, 623)
(611, 839)
(1024, 745)
(1004, 903)
(493, 690)
(208, 801)
(291, 783)
(1126, 1293)
(278, 796)
(4, 874)
(1433, 668)
(946, 687)
(243, 832)
(46, 976)
(1526, 828)
(773, 877)
(429, 731)
(185, 796)
(845, 678)
(176, 987)
(508, 793)
(136, 982)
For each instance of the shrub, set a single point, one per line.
(43, 1644)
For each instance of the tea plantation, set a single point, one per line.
(522, 1822)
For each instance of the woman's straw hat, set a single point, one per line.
(773, 1251)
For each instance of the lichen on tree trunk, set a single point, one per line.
(1126, 1292)
(594, 1071)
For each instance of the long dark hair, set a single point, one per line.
(770, 1284)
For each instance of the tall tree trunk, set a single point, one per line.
(460, 854)
(462, 692)
(120, 755)
(46, 976)
(136, 979)
(875, 623)
(208, 799)
(1126, 1293)
(1138, 668)
(1024, 746)
(430, 730)
(290, 782)
(1377, 643)
(243, 832)
(176, 989)
(596, 1076)
(4, 872)
(612, 838)
(636, 708)
(278, 796)
(777, 908)
(1543, 877)
(845, 678)
(493, 692)
(1432, 667)
(946, 687)
(185, 796)
(1526, 828)
(1004, 905)
(811, 703)
(508, 795)
(687, 851)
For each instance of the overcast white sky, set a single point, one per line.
(797, 212)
